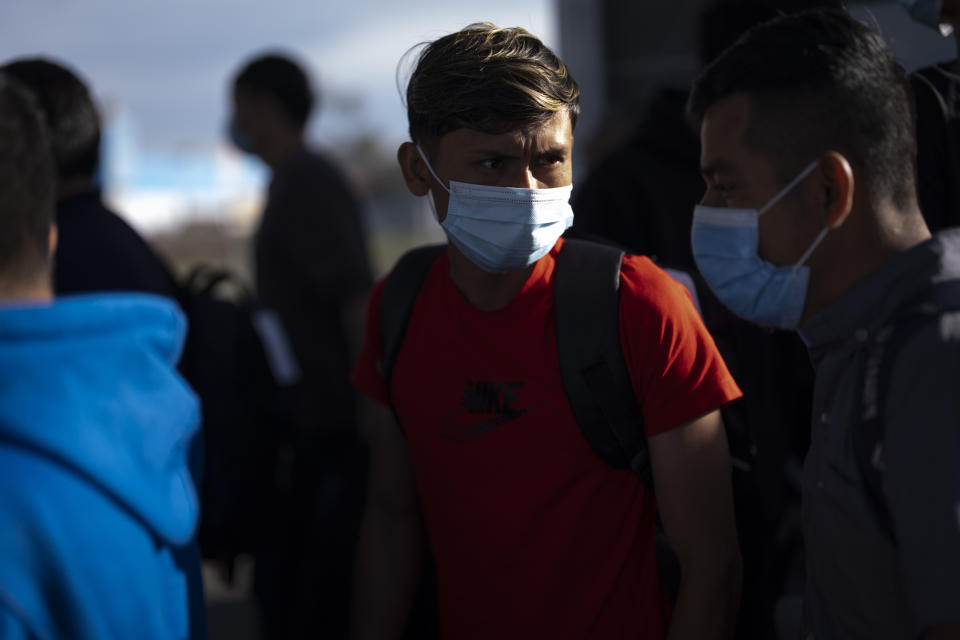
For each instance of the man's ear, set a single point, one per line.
(838, 187)
(415, 172)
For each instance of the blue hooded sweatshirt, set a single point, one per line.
(97, 506)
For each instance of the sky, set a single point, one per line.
(169, 63)
(160, 72)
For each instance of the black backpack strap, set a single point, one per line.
(868, 437)
(595, 375)
(399, 293)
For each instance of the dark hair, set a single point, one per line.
(27, 183)
(488, 79)
(721, 22)
(70, 114)
(820, 81)
(279, 76)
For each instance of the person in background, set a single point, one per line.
(936, 91)
(97, 503)
(311, 267)
(97, 249)
(532, 533)
(810, 221)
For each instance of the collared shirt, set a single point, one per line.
(861, 581)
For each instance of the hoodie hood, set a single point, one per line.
(91, 382)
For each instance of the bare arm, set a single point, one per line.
(691, 471)
(390, 549)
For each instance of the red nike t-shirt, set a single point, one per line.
(534, 536)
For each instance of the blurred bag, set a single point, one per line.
(238, 361)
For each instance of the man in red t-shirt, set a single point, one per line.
(533, 535)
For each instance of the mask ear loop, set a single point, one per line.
(780, 194)
(430, 168)
(790, 185)
(433, 205)
(816, 243)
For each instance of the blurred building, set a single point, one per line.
(621, 52)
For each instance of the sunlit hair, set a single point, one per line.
(487, 79)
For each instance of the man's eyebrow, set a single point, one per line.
(488, 151)
(552, 149)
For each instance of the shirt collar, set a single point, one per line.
(865, 308)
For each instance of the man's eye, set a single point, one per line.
(721, 190)
(550, 160)
(491, 163)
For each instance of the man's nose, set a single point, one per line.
(709, 199)
(523, 178)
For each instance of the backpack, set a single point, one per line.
(238, 362)
(594, 372)
(868, 434)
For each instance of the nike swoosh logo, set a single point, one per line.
(460, 432)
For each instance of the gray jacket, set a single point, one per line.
(860, 583)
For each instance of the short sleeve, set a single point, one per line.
(677, 372)
(922, 475)
(366, 376)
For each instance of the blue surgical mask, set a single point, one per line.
(503, 228)
(725, 244)
(928, 12)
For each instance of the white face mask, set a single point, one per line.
(503, 228)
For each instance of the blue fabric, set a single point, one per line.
(97, 506)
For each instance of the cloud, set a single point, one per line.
(365, 62)
(170, 62)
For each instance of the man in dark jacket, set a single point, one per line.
(641, 198)
(97, 250)
(811, 222)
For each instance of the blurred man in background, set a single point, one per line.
(98, 506)
(311, 268)
(97, 250)
(810, 221)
